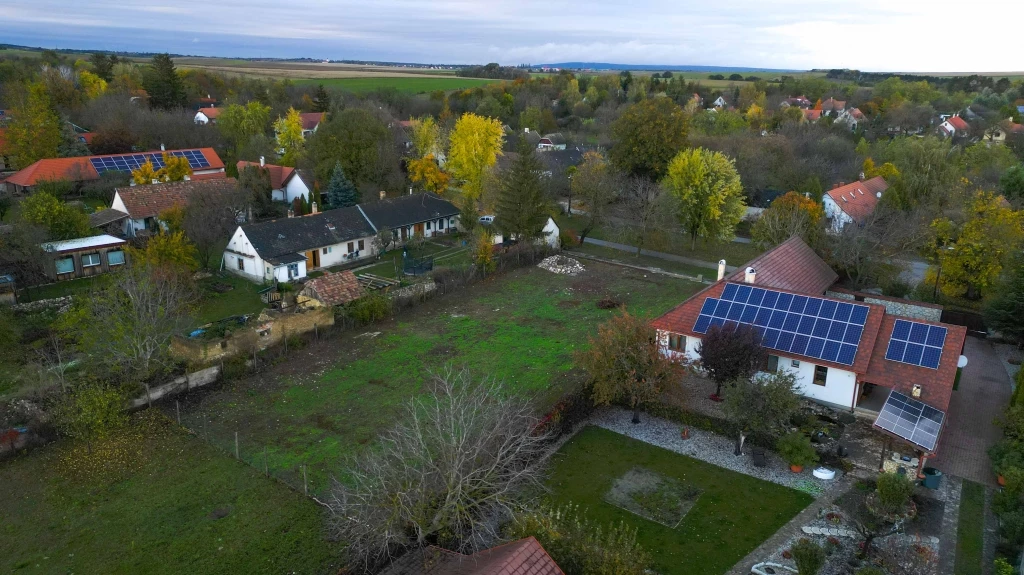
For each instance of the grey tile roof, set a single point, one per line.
(279, 238)
(408, 210)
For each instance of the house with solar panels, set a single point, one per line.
(205, 164)
(884, 358)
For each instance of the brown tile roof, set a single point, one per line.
(211, 113)
(833, 104)
(279, 175)
(79, 169)
(791, 265)
(858, 199)
(148, 201)
(335, 288)
(812, 115)
(310, 120)
(958, 123)
(523, 557)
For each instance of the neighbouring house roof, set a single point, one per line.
(80, 169)
(310, 120)
(553, 139)
(523, 557)
(79, 244)
(793, 266)
(147, 201)
(279, 175)
(833, 104)
(859, 199)
(210, 113)
(335, 288)
(959, 123)
(812, 115)
(287, 236)
(104, 217)
(856, 114)
(86, 137)
(407, 210)
(408, 124)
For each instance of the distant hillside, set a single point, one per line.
(674, 68)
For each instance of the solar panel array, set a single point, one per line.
(916, 343)
(803, 325)
(131, 162)
(911, 419)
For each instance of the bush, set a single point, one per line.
(1005, 455)
(1002, 567)
(894, 491)
(580, 546)
(808, 556)
(370, 308)
(797, 450)
(870, 571)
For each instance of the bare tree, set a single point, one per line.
(210, 218)
(865, 252)
(647, 211)
(55, 356)
(454, 461)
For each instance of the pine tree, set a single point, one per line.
(321, 99)
(521, 208)
(163, 84)
(340, 193)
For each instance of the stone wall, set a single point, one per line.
(894, 306)
(422, 289)
(183, 383)
(61, 303)
(269, 329)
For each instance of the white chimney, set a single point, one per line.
(410, 190)
(721, 270)
(188, 178)
(750, 275)
(383, 194)
(312, 208)
(862, 176)
(878, 194)
(155, 181)
(291, 213)
(526, 130)
(162, 149)
(263, 161)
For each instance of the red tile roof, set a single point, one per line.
(148, 201)
(335, 289)
(279, 175)
(79, 169)
(791, 265)
(211, 113)
(310, 120)
(523, 557)
(812, 115)
(87, 137)
(958, 123)
(859, 199)
(833, 104)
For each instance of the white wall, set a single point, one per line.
(690, 352)
(201, 118)
(551, 233)
(835, 213)
(838, 388)
(295, 188)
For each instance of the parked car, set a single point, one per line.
(487, 220)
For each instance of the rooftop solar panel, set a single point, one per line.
(916, 343)
(803, 325)
(131, 162)
(911, 419)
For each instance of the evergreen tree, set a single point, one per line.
(1004, 311)
(321, 99)
(521, 208)
(340, 193)
(163, 84)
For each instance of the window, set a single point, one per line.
(361, 244)
(324, 251)
(451, 222)
(293, 271)
(820, 374)
(440, 224)
(66, 265)
(241, 264)
(351, 247)
(428, 226)
(115, 258)
(795, 364)
(90, 260)
(676, 342)
(773, 363)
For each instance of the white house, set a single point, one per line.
(286, 183)
(412, 214)
(852, 117)
(954, 126)
(720, 102)
(143, 204)
(207, 115)
(311, 121)
(854, 202)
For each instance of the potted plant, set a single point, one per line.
(797, 450)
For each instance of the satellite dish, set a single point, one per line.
(962, 362)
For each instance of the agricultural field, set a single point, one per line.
(333, 398)
(408, 84)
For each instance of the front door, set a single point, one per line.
(405, 233)
(313, 259)
(418, 229)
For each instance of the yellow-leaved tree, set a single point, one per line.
(289, 136)
(475, 144)
(426, 173)
(175, 169)
(426, 137)
(145, 174)
(171, 250)
(34, 131)
(92, 85)
(707, 189)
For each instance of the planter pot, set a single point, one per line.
(796, 468)
(1001, 481)
(685, 433)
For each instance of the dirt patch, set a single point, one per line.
(653, 496)
(608, 303)
(569, 303)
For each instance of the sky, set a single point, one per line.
(871, 35)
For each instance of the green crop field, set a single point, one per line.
(333, 398)
(408, 85)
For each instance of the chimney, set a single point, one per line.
(312, 208)
(750, 275)
(878, 194)
(187, 178)
(162, 149)
(410, 190)
(383, 194)
(263, 161)
(862, 176)
(721, 270)
(291, 213)
(526, 130)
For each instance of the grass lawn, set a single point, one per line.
(391, 261)
(733, 515)
(331, 399)
(78, 286)
(408, 85)
(242, 299)
(970, 529)
(646, 261)
(184, 508)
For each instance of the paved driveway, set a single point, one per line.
(983, 393)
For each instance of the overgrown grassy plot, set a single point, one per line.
(333, 399)
(970, 529)
(733, 514)
(182, 507)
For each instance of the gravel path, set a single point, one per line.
(711, 448)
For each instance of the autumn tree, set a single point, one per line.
(1011, 184)
(91, 412)
(340, 192)
(887, 170)
(34, 131)
(426, 173)
(114, 140)
(358, 139)
(789, 215)
(170, 250)
(289, 136)
(595, 185)
(762, 406)
(709, 194)
(426, 137)
(61, 221)
(625, 364)
(175, 169)
(729, 354)
(647, 136)
(521, 208)
(163, 84)
(475, 144)
(239, 123)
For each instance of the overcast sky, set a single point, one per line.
(883, 35)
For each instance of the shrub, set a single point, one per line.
(1005, 455)
(579, 545)
(370, 308)
(808, 556)
(1002, 567)
(797, 450)
(870, 571)
(894, 490)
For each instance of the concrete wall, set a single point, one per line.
(183, 383)
(269, 329)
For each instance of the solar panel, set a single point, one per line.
(911, 419)
(803, 325)
(131, 162)
(916, 343)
